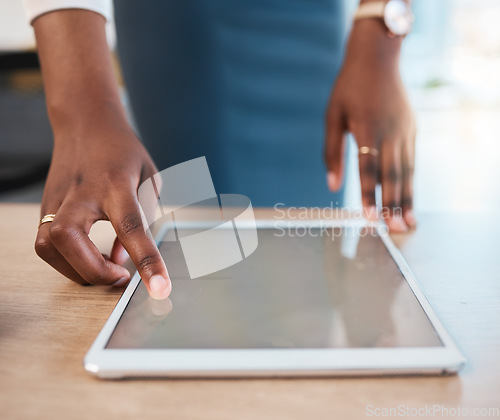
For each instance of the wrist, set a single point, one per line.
(396, 15)
(74, 115)
(369, 43)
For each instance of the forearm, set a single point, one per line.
(80, 85)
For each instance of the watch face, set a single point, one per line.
(398, 17)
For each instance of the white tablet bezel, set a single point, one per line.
(121, 363)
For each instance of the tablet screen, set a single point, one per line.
(301, 288)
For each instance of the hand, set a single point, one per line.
(95, 176)
(97, 163)
(369, 100)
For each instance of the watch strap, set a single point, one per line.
(373, 9)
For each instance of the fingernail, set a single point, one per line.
(371, 213)
(121, 282)
(410, 219)
(159, 287)
(124, 254)
(397, 225)
(331, 180)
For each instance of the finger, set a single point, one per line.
(119, 254)
(391, 173)
(408, 159)
(48, 252)
(69, 234)
(335, 148)
(131, 228)
(368, 174)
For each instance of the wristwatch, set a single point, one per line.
(396, 14)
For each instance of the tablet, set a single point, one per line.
(314, 298)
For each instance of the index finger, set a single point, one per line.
(129, 222)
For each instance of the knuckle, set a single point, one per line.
(368, 197)
(408, 170)
(392, 174)
(60, 232)
(98, 275)
(407, 201)
(147, 262)
(114, 177)
(392, 204)
(131, 224)
(369, 168)
(370, 126)
(44, 248)
(96, 278)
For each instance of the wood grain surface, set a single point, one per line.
(48, 323)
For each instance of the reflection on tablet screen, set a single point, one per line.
(315, 288)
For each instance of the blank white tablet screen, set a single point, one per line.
(301, 288)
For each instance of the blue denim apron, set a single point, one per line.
(243, 82)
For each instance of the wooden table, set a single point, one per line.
(47, 324)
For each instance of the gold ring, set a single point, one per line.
(365, 150)
(45, 219)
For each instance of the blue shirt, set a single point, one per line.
(243, 82)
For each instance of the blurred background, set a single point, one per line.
(450, 64)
